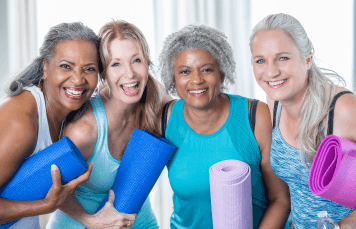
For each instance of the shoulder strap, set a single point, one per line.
(164, 117)
(275, 112)
(252, 114)
(331, 111)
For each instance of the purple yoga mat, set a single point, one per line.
(231, 197)
(333, 172)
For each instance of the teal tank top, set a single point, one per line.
(91, 193)
(188, 168)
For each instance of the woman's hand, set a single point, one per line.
(109, 217)
(58, 192)
(348, 222)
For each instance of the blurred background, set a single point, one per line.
(330, 25)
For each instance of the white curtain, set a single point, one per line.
(22, 33)
(229, 16)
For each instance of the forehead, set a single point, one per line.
(118, 48)
(75, 49)
(272, 40)
(195, 55)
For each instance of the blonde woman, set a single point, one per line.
(305, 106)
(129, 98)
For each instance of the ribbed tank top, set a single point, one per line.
(91, 193)
(286, 163)
(43, 141)
(188, 168)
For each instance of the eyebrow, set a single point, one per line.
(74, 63)
(137, 54)
(277, 54)
(185, 66)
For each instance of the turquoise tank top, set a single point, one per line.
(188, 168)
(286, 163)
(91, 193)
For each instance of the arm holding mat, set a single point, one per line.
(33, 180)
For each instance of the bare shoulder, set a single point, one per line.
(83, 132)
(344, 117)
(18, 135)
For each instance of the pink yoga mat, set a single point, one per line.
(231, 197)
(333, 173)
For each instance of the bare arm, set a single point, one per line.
(345, 127)
(276, 214)
(18, 137)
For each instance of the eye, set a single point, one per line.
(184, 72)
(115, 65)
(66, 66)
(91, 69)
(260, 61)
(138, 60)
(207, 70)
(283, 58)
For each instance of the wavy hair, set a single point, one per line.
(314, 112)
(196, 37)
(33, 73)
(147, 113)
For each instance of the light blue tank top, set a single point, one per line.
(91, 193)
(188, 169)
(286, 163)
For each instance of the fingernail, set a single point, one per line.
(53, 167)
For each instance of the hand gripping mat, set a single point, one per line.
(143, 162)
(33, 179)
(231, 197)
(333, 172)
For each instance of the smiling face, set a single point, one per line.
(278, 66)
(72, 75)
(126, 72)
(197, 78)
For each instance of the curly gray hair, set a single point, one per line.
(196, 37)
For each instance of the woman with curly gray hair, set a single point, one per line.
(208, 126)
(55, 86)
(306, 106)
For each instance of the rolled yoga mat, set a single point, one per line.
(231, 195)
(333, 172)
(143, 162)
(33, 179)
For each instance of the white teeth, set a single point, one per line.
(129, 85)
(197, 91)
(276, 82)
(74, 93)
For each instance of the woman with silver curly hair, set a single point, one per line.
(53, 88)
(209, 126)
(305, 106)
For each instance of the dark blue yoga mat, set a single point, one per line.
(33, 179)
(143, 162)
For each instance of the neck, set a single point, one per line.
(293, 107)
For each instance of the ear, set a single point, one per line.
(222, 77)
(309, 60)
(44, 62)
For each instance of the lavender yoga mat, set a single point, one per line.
(33, 179)
(231, 197)
(333, 172)
(143, 162)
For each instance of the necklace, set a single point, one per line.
(50, 110)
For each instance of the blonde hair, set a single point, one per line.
(314, 112)
(147, 113)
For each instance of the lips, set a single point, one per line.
(275, 83)
(74, 93)
(198, 93)
(130, 89)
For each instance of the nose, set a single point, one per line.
(129, 71)
(272, 70)
(78, 77)
(197, 77)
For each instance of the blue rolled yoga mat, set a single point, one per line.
(33, 179)
(143, 161)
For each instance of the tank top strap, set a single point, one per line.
(43, 137)
(279, 115)
(332, 109)
(101, 120)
